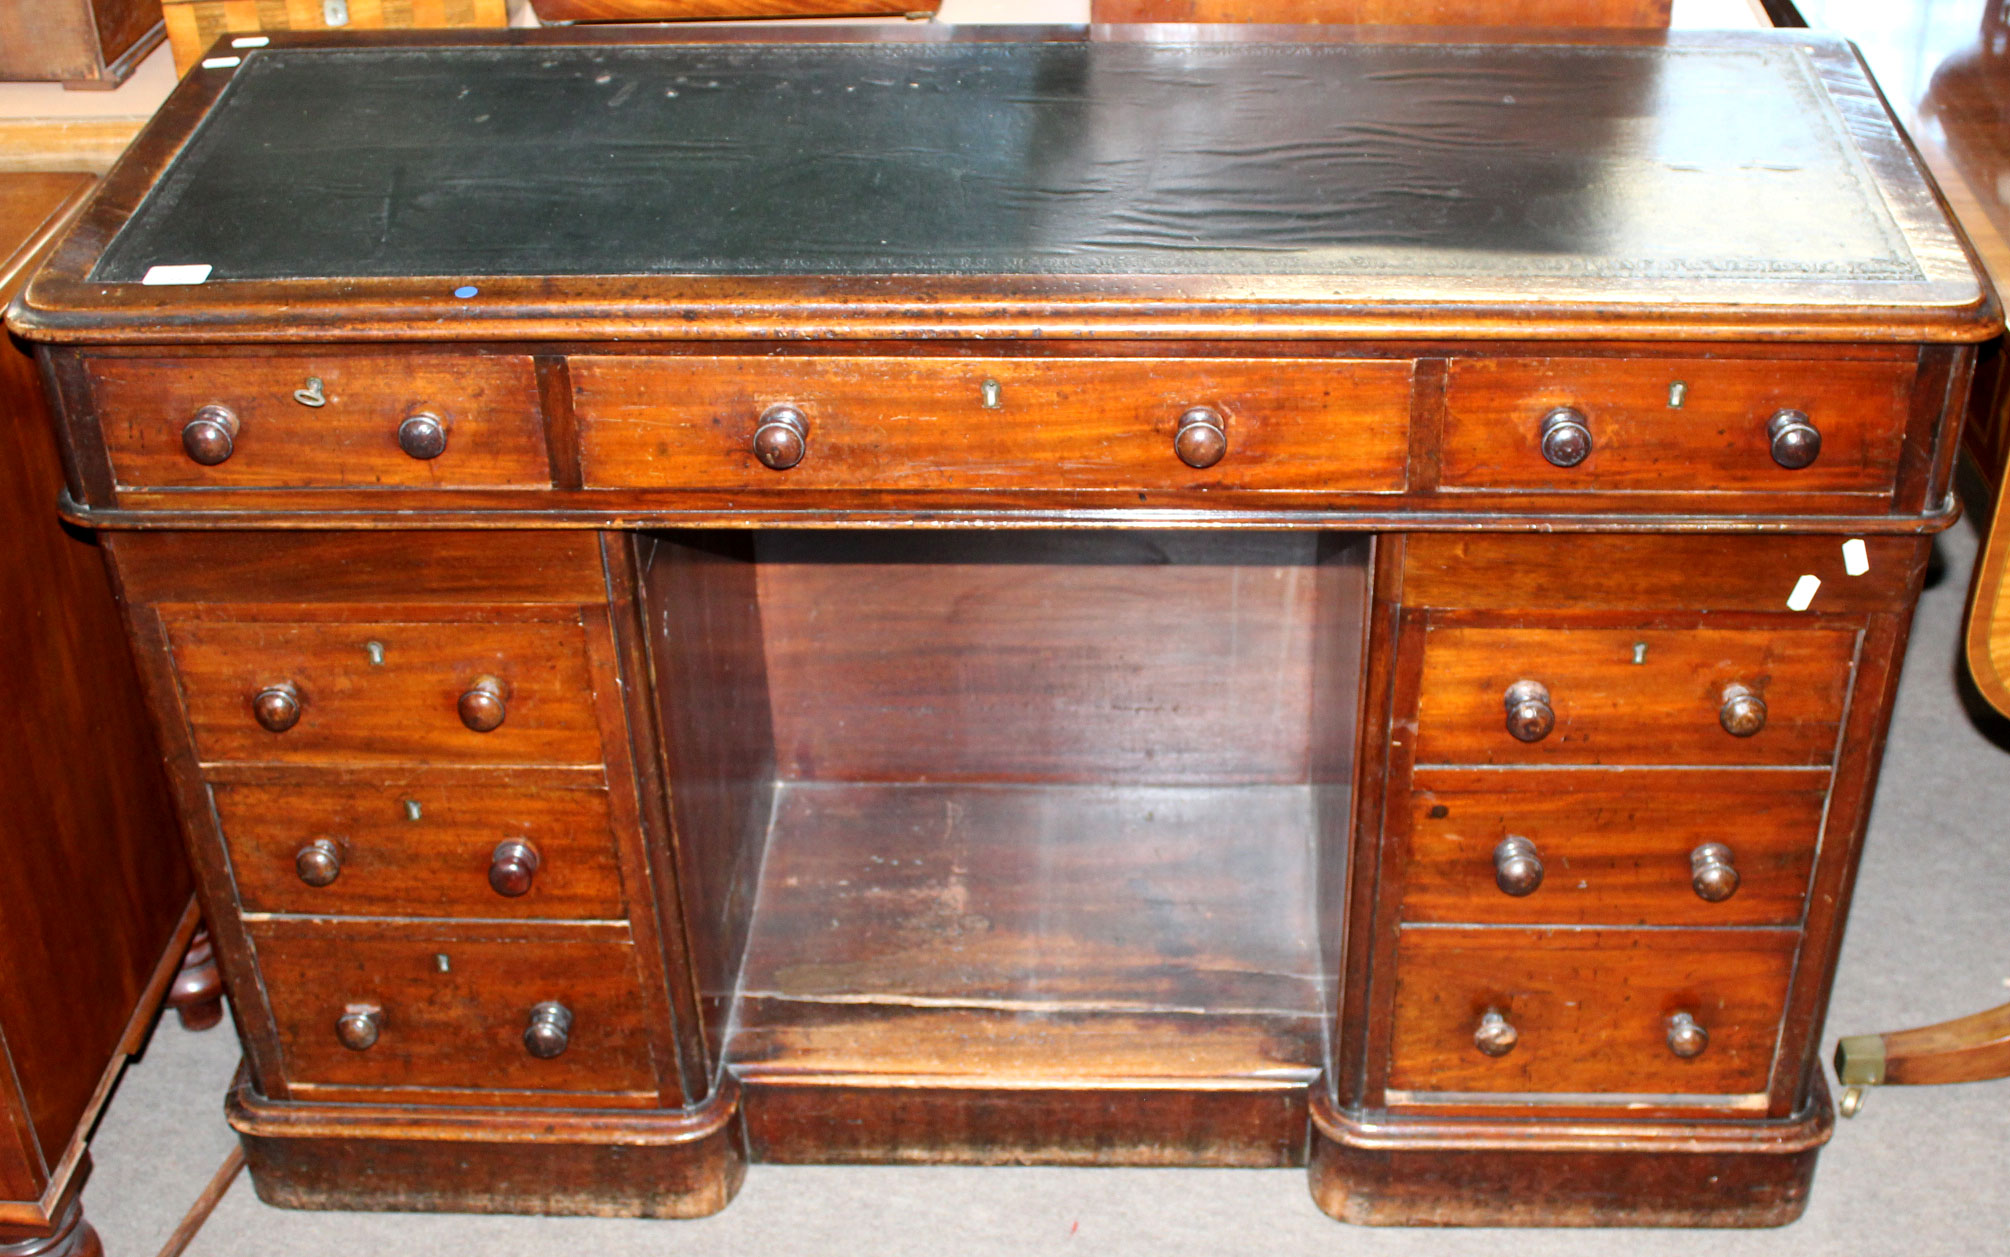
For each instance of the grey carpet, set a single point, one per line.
(1914, 1174)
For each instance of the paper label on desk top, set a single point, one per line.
(1856, 556)
(190, 274)
(1803, 596)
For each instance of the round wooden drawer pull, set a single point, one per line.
(423, 436)
(782, 439)
(1686, 1039)
(1202, 437)
(1796, 442)
(277, 707)
(1517, 867)
(1529, 715)
(358, 1027)
(1566, 437)
(319, 863)
(1711, 872)
(512, 868)
(485, 705)
(1495, 1036)
(211, 435)
(1743, 713)
(549, 1031)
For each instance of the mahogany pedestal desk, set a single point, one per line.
(957, 597)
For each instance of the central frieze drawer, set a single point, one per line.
(948, 423)
(338, 693)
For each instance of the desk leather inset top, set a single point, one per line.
(1479, 837)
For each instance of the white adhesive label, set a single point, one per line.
(1803, 596)
(220, 63)
(158, 275)
(1856, 556)
(251, 41)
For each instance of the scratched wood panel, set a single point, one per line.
(1051, 931)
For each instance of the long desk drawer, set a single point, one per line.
(933, 423)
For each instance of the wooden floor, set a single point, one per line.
(1034, 932)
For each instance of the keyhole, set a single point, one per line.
(1640, 652)
(376, 653)
(440, 959)
(411, 809)
(1676, 393)
(990, 390)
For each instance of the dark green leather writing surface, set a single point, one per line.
(992, 158)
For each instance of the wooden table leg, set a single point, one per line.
(1968, 1049)
(197, 993)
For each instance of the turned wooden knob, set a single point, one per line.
(358, 1027)
(211, 435)
(1517, 867)
(1743, 713)
(423, 436)
(1495, 1036)
(1202, 437)
(512, 867)
(549, 1031)
(1711, 872)
(782, 439)
(1529, 715)
(319, 863)
(1566, 437)
(277, 707)
(1796, 441)
(483, 707)
(1686, 1039)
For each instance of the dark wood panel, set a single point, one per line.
(712, 706)
(1138, 657)
(1615, 847)
(458, 1022)
(487, 404)
(907, 423)
(96, 883)
(985, 932)
(1494, 410)
(490, 568)
(356, 711)
(1653, 572)
(1591, 1008)
(1610, 710)
(432, 864)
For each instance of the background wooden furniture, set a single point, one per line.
(1024, 674)
(1643, 14)
(81, 43)
(194, 25)
(723, 10)
(95, 909)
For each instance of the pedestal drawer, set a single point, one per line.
(499, 848)
(1674, 425)
(1588, 1011)
(1632, 696)
(271, 691)
(1612, 847)
(998, 423)
(412, 421)
(450, 1007)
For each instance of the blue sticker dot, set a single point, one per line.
(465, 291)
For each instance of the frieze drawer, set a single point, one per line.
(783, 424)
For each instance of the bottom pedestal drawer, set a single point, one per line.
(366, 1006)
(1588, 1011)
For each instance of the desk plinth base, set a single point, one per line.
(1504, 1173)
(616, 1164)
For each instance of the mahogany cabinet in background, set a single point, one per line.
(80, 43)
(95, 909)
